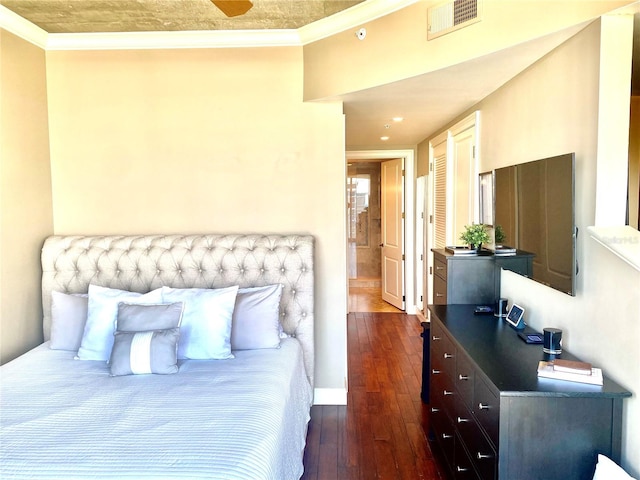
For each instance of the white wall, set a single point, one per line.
(554, 108)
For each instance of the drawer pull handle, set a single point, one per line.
(463, 377)
(439, 295)
(482, 406)
(447, 392)
(461, 469)
(463, 420)
(436, 410)
(435, 372)
(484, 456)
(439, 267)
(448, 355)
(446, 436)
(435, 339)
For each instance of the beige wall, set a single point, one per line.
(25, 192)
(553, 108)
(396, 45)
(210, 140)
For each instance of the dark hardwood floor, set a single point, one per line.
(382, 431)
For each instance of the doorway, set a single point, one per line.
(364, 231)
(364, 238)
(364, 224)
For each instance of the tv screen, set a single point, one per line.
(534, 206)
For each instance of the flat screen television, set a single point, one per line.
(534, 207)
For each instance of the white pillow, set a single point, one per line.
(68, 318)
(256, 318)
(97, 340)
(607, 469)
(205, 332)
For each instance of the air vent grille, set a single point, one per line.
(464, 11)
(451, 16)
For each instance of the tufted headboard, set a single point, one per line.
(141, 263)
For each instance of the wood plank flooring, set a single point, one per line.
(382, 431)
(369, 299)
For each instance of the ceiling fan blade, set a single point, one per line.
(233, 8)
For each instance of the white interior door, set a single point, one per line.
(421, 243)
(464, 184)
(392, 201)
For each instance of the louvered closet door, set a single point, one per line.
(440, 195)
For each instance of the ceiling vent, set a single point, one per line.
(451, 16)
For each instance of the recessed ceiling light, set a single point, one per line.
(397, 119)
(384, 139)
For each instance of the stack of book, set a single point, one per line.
(461, 250)
(570, 370)
(505, 251)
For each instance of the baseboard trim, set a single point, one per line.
(330, 396)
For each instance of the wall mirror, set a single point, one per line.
(534, 208)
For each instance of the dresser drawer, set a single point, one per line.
(443, 352)
(481, 452)
(463, 465)
(464, 378)
(484, 457)
(444, 434)
(486, 408)
(443, 393)
(440, 268)
(439, 291)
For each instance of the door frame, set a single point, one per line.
(409, 213)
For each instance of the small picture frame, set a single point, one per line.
(515, 317)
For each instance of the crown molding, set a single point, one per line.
(357, 15)
(173, 40)
(14, 23)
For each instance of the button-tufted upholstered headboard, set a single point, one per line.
(145, 262)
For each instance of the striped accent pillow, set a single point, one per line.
(137, 353)
(146, 339)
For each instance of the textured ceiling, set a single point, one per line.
(83, 16)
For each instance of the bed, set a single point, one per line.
(207, 387)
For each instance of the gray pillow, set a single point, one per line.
(146, 339)
(68, 317)
(135, 317)
(256, 318)
(136, 353)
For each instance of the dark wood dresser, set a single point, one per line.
(473, 278)
(492, 418)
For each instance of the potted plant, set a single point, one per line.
(499, 235)
(475, 235)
